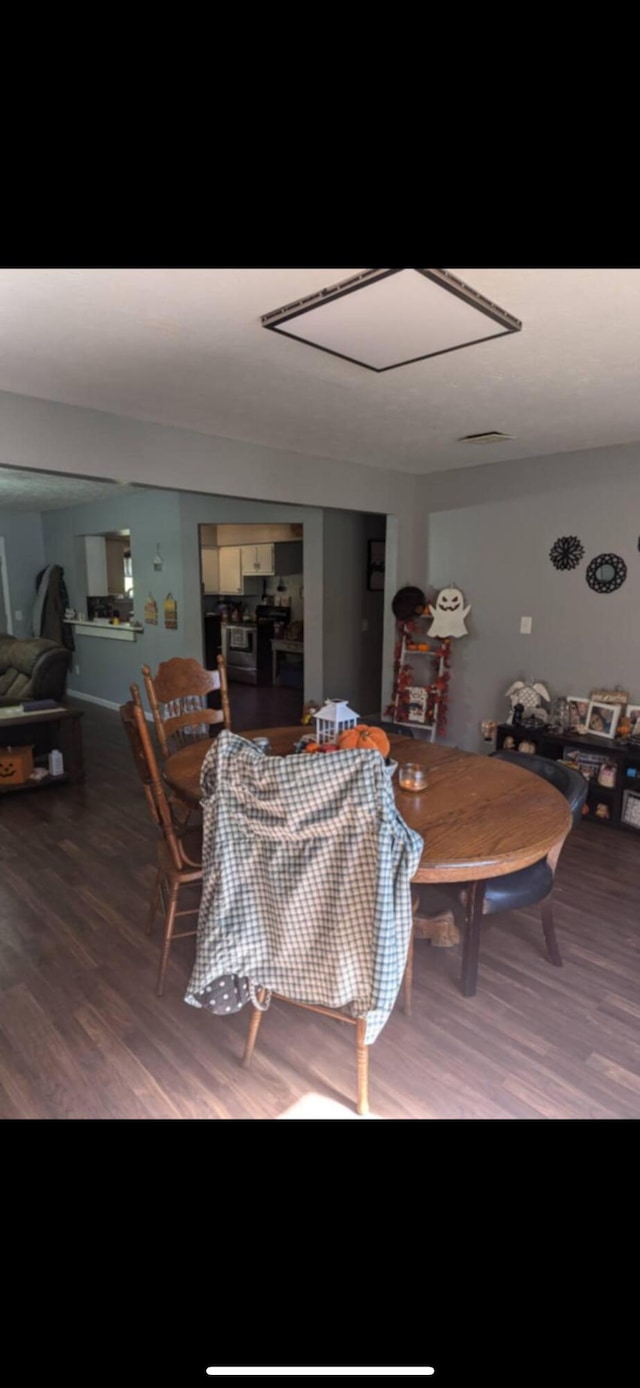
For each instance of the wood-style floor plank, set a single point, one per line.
(83, 1035)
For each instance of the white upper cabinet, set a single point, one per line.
(210, 571)
(95, 547)
(230, 569)
(257, 559)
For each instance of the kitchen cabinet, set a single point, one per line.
(116, 583)
(288, 557)
(95, 548)
(257, 559)
(230, 569)
(210, 571)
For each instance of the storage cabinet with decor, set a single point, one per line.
(611, 768)
(421, 678)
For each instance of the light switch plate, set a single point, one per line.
(525, 626)
(18, 616)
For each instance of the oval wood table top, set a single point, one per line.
(479, 817)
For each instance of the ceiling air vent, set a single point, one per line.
(494, 436)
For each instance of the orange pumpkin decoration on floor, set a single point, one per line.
(374, 739)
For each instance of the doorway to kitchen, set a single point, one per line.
(253, 614)
(6, 623)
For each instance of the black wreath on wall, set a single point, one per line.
(567, 552)
(606, 573)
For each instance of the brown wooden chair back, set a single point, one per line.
(177, 696)
(135, 726)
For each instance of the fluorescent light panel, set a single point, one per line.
(404, 316)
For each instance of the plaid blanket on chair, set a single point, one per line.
(307, 867)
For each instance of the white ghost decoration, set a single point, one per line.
(449, 614)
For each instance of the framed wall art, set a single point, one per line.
(375, 566)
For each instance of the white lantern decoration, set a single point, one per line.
(332, 719)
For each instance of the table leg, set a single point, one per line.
(471, 938)
(275, 667)
(70, 740)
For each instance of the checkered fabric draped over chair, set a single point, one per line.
(307, 867)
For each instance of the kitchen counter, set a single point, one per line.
(280, 646)
(101, 626)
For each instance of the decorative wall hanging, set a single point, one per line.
(606, 573)
(449, 614)
(567, 552)
(530, 696)
(408, 603)
(170, 612)
(417, 704)
(151, 611)
(610, 696)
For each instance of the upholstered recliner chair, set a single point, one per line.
(31, 669)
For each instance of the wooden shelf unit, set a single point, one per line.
(415, 633)
(624, 755)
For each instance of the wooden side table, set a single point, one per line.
(55, 728)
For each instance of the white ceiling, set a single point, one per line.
(187, 348)
(46, 491)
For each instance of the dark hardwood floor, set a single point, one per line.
(264, 706)
(83, 1035)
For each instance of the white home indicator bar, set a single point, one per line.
(384, 1373)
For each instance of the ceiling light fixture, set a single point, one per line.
(494, 436)
(403, 317)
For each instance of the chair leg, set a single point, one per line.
(408, 977)
(155, 901)
(254, 1027)
(362, 1063)
(170, 917)
(550, 934)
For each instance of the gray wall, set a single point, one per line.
(352, 658)
(107, 668)
(498, 553)
(339, 657)
(22, 532)
(63, 438)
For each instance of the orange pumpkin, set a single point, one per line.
(375, 739)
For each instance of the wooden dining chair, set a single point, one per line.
(177, 696)
(288, 937)
(179, 849)
(362, 1050)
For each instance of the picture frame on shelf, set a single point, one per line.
(632, 712)
(602, 718)
(578, 711)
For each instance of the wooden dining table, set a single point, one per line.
(479, 817)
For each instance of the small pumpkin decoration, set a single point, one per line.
(372, 739)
